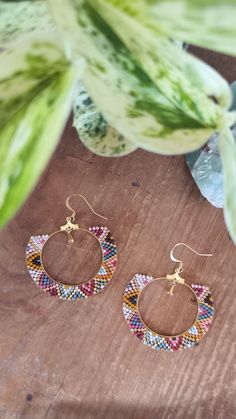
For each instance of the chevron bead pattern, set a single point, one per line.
(152, 339)
(73, 292)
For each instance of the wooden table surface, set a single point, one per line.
(78, 360)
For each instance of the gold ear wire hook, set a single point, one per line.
(175, 277)
(188, 247)
(69, 227)
(81, 196)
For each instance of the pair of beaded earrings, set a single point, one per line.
(201, 293)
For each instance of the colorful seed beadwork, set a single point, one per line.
(73, 292)
(168, 343)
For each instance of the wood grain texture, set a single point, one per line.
(66, 360)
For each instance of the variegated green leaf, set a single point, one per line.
(94, 131)
(227, 147)
(206, 23)
(26, 69)
(36, 88)
(19, 17)
(187, 82)
(122, 90)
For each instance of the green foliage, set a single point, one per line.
(94, 131)
(23, 17)
(159, 116)
(35, 100)
(227, 147)
(206, 23)
(153, 94)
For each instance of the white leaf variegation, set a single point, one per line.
(36, 91)
(27, 68)
(186, 81)
(206, 23)
(227, 147)
(94, 131)
(23, 17)
(124, 93)
(144, 90)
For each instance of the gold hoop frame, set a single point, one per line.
(161, 342)
(79, 291)
(63, 232)
(160, 334)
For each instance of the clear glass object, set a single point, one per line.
(206, 167)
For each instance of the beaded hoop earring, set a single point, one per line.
(42, 279)
(184, 340)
